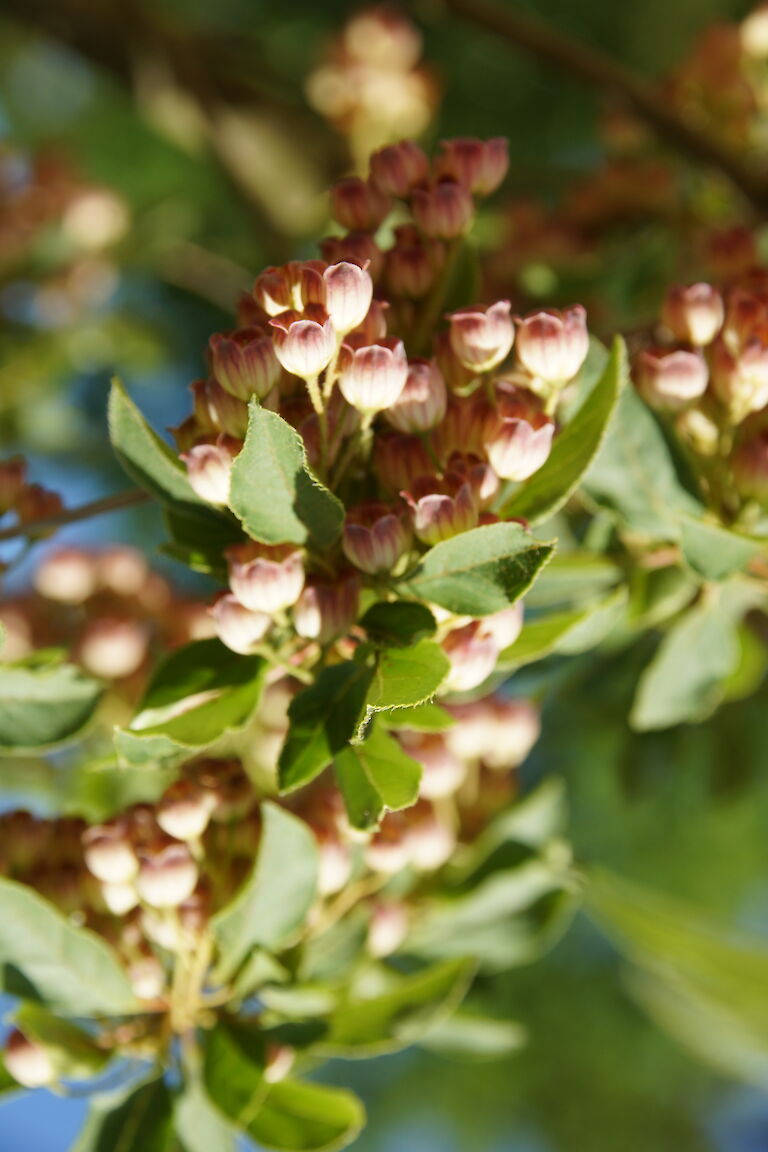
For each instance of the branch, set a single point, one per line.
(601, 71)
(73, 515)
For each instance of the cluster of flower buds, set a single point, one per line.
(22, 502)
(710, 376)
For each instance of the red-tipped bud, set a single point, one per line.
(375, 537)
(387, 928)
(443, 772)
(480, 165)
(430, 840)
(348, 295)
(266, 577)
(456, 376)
(693, 313)
(244, 362)
(398, 168)
(209, 469)
(740, 381)
(501, 733)
(291, 286)
(472, 653)
(304, 343)
(374, 325)
(124, 571)
(503, 627)
(553, 345)
(410, 270)
(223, 411)
(184, 810)
(358, 205)
(444, 210)
(327, 610)
(749, 465)
(108, 853)
(482, 339)
(12, 478)
(119, 899)
(167, 876)
(519, 437)
(670, 380)
(371, 378)
(442, 508)
(356, 248)
(67, 575)
(147, 978)
(399, 461)
(113, 647)
(422, 403)
(27, 1061)
(37, 503)
(335, 863)
(238, 627)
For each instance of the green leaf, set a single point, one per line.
(715, 552)
(289, 1116)
(428, 717)
(634, 473)
(574, 448)
(405, 677)
(687, 677)
(322, 720)
(275, 899)
(45, 957)
(375, 775)
(274, 493)
(481, 571)
(7, 1082)
(570, 577)
(199, 1125)
(73, 1053)
(398, 623)
(402, 1015)
(465, 1035)
(564, 632)
(141, 1122)
(198, 694)
(44, 703)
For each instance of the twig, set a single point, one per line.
(596, 68)
(72, 515)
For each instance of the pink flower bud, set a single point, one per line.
(112, 647)
(291, 286)
(209, 469)
(244, 362)
(553, 345)
(238, 627)
(249, 313)
(464, 427)
(749, 464)
(109, 854)
(356, 248)
(358, 205)
(124, 571)
(399, 461)
(375, 537)
(519, 437)
(12, 478)
(373, 327)
(482, 339)
(472, 653)
(398, 168)
(67, 575)
(387, 928)
(27, 1061)
(348, 293)
(670, 380)
(223, 411)
(335, 864)
(456, 376)
(304, 343)
(184, 810)
(740, 381)
(443, 210)
(694, 313)
(167, 876)
(503, 627)
(516, 730)
(410, 270)
(422, 403)
(387, 851)
(147, 978)
(443, 772)
(442, 508)
(431, 841)
(371, 378)
(266, 577)
(327, 610)
(480, 165)
(119, 899)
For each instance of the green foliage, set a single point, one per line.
(73, 1053)
(398, 622)
(374, 776)
(714, 552)
(405, 677)
(141, 1122)
(44, 701)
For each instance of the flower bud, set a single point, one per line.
(113, 648)
(749, 464)
(358, 205)
(67, 575)
(123, 570)
(238, 627)
(670, 380)
(109, 854)
(472, 653)
(503, 627)
(422, 403)
(13, 473)
(373, 327)
(147, 977)
(442, 508)
(224, 412)
(119, 899)
(348, 293)
(266, 577)
(244, 362)
(37, 503)
(694, 313)
(479, 165)
(410, 270)
(335, 864)
(27, 1061)
(184, 810)
(398, 168)
(371, 378)
(553, 345)
(519, 437)
(482, 339)
(444, 210)
(327, 610)
(698, 430)
(304, 343)
(355, 248)
(443, 772)
(209, 469)
(387, 851)
(740, 381)
(430, 841)
(465, 466)
(375, 537)
(387, 928)
(167, 876)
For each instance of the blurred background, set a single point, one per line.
(155, 155)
